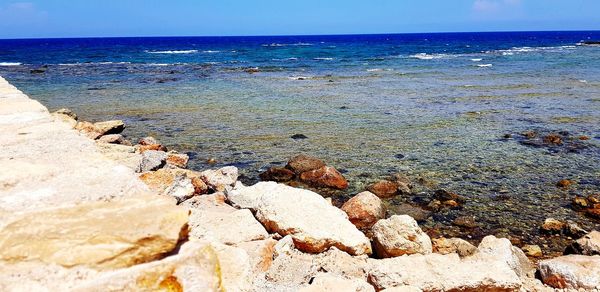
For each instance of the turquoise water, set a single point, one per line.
(435, 107)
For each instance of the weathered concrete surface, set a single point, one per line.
(44, 162)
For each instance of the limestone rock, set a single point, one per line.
(159, 180)
(148, 141)
(156, 147)
(453, 245)
(586, 245)
(114, 139)
(325, 176)
(330, 283)
(303, 163)
(364, 210)
(314, 224)
(220, 179)
(260, 253)
(235, 268)
(552, 225)
(177, 160)
(66, 112)
(195, 268)
(88, 129)
(223, 223)
(277, 174)
(532, 250)
(399, 235)
(435, 272)
(337, 262)
(152, 160)
(65, 118)
(181, 189)
(501, 250)
(384, 189)
(101, 235)
(110, 127)
(571, 271)
(402, 289)
(294, 268)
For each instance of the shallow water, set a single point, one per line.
(432, 106)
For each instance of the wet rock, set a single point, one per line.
(532, 250)
(465, 221)
(148, 141)
(39, 70)
(399, 235)
(384, 189)
(552, 225)
(311, 221)
(417, 213)
(220, 179)
(303, 163)
(325, 176)
(299, 137)
(110, 127)
(131, 231)
(67, 112)
(553, 139)
(453, 245)
(277, 174)
(152, 160)
(364, 210)
(572, 229)
(586, 245)
(594, 213)
(564, 183)
(580, 203)
(571, 272)
(530, 134)
(444, 195)
(177, 160)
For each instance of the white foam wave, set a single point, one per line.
(93, 63)
(285, 45)
(424, 56)
(173, 52)
(484, 65)
(300, 77)
(210, 52)
(521, 50)
(323, 59)
(10, 64)
(476, 59)
(286, 59)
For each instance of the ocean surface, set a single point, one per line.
(445, 109)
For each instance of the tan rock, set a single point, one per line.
(293, 268)
(327, 282)
(260, 253)
(303, 163)
(177, 160)
(402, 289)
(110, 127)
(148, 141)
(181, 189)
(501, 250)
(552, 225)
(571, 271)
(114, 139)
(67, 112)
(384, 189)
(532, 250)
(235, 268)
(66, 119)
(337, 262)
(196, 267)
(364, 210)
(453, 245)
(314, 224)
(159, 180)
(232, 227)
(325, 176)
(88, 129)
(399, 235)
(155, 147)
(100, 235)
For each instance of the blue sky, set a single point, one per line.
(75, 18)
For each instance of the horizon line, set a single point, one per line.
(297, 35)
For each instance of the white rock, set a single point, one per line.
(399, 235)
(312, 222)
(571, 271)
(220, 179)
(500, 249)
(152, 160)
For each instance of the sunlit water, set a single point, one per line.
(431, 106)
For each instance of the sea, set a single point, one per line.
(465, 112)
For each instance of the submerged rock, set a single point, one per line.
(399, 235)
(571, 272)
(313, 223)
(384, 189)
(325, 176)
(303, 163)
(364, 210)
(532, 250)
(552, 225)
(277, 174)
(586, 245)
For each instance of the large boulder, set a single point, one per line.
(571, 271)
(435, 272)
(303, 163)
(501, 250)
(213, 220)
(325, 176)
(399, 235)
(100, 235)
(587, 245)
(314, 224)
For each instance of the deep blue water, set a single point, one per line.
(433, 106)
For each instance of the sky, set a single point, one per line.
(106, 18)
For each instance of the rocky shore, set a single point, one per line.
(84, 209)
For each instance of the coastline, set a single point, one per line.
(238, 238)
